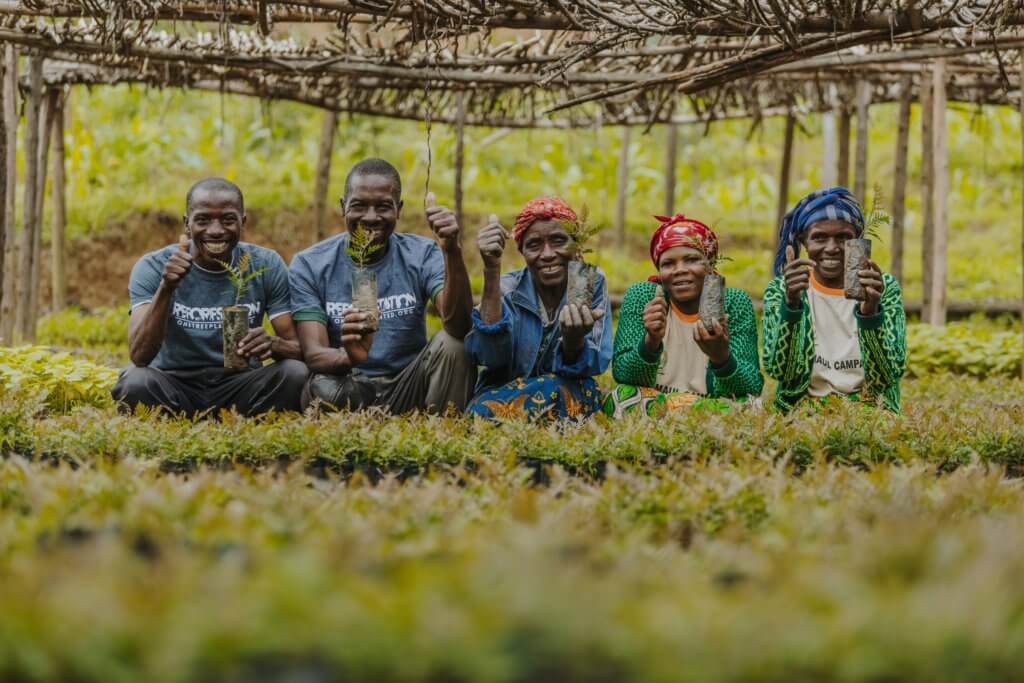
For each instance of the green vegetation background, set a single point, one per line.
(133, 150)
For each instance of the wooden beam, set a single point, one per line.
(22, 321)
(927, 191)
(10, 225)
(58, 266)
(328, 127)
(784, 173)
(843, 170)
(46, 120)
(940, 211)
(671, 158)
(460, 139)
(899, 190)
(622, 188)
(860, 176)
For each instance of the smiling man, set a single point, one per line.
(539, 353)
(355, 365)
(174, 335)
(818, 343)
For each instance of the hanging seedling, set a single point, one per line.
(582, 277)
(235, 318)
(857, 252)
(364, 281)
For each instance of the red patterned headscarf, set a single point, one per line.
(678, 231)
(541, 209)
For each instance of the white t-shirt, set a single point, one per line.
(837, 360)
(684, 365)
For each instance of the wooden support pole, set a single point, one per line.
(843, 171)
(4, 293)
(784, 173)
(671, 157)
(860, 176)
(622, 189)
(46, 120)
(940, 210)
(22, 320)
(899, 190)
(323, 173)
(58, 267)
(829, 161)
(10, 225)
(1020, 57)
(927, 189)
(460, 154)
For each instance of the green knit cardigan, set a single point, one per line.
(788, 351)
(632, 364)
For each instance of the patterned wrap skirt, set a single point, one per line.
(626, 399)
(545, 398)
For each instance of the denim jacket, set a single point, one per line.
(508, 349)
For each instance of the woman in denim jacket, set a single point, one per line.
(539, 355)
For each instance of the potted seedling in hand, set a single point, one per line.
(712, 294)
(364, 280)
(857, 252)
(582, 278)
(235, 325)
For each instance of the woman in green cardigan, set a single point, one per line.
(817, 343)
(664, 356)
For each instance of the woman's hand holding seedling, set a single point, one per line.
(256, 344)
(356, 336)
(576, 322)
(655, 320)
(714, 343)
(871, 280)
(177, 265)
(442, 223)
(797, 276)
(491, 242)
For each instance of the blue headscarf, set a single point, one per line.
(836, 203)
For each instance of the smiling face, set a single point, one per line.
(824, 242)
(547, 250)
(214, 222)
(682, 270)
(371, 201)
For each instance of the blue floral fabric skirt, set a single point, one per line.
(542, 398)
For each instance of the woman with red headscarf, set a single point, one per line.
(539, 354)
(664, 355)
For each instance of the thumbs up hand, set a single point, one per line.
(178, 265)
(655, 320)
(797, 275)
(491, 242)
(442, 223)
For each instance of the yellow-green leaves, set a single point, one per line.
(59, 380)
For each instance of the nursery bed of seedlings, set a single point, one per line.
(840, 545)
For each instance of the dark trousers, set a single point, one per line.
(277, 386)
(441, 377)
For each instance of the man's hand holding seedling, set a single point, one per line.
(357, 336)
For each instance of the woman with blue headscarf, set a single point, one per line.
(816, 342)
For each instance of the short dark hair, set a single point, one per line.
(375, 167)
(214, 185)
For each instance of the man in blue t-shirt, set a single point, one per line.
(354, 365)
(174, 334)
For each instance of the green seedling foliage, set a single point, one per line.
(361, 246)
(582, 232)
(240, 275)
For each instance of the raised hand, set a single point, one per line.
(356, 336)
(575, 323)
(491, 242)
(797, 275)
(442, 223)
(871, 280)
(714, 343)
(655, 320)
(177, 265)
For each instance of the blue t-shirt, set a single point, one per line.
(194, 338)
(410, 274)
